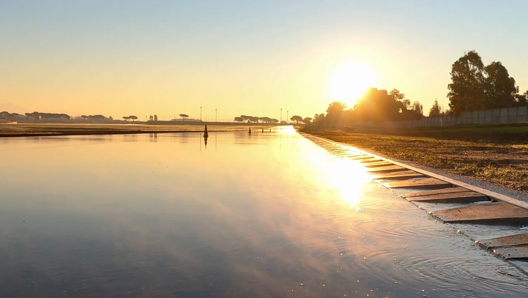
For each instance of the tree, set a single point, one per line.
(436, 110)
(297, 119)
(183, 116)
(466, 92)
(274, 121)
(126, 118)
(307, 120)
(132, 117)
(334, 112)
(521, 99)
(239, 119)
(151, 118)
(155, 117)
(417, 107)
(499, 87)
(318, 118)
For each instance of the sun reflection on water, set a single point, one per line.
(350, 178)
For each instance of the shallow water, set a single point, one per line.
(264, 215)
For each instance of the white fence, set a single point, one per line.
(495, 116)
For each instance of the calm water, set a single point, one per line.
(266, 215)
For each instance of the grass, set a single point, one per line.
(497, 154)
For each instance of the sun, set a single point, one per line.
(350, 81)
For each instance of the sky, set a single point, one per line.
(127, 57)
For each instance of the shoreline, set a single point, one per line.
(61, 129)
(496, 164)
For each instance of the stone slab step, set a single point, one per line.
(512, 252)
(360, 157)
(371, 160)
(436, 192)
(386, 169)
(422, 183)
(399, 175)
(378, 164)
(513, 240)
(491, 213)
(457, 197)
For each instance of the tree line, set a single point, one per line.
(377, 105)
(474, 86)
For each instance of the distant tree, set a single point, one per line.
(274, 121)
(334, 112)
(183, 116)
(318, 118)
(307, 120)
(132, 117)
(155, 117)
(297, 119)
(84, 117)
(466, 92)
(253, 119)
(151, 118)
(436, 110)
(521, 99)
(499, 87)
(239, 119)
(126, 118)
(417, 107)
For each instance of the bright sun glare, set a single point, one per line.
(350, 81)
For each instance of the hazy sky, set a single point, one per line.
(123, 57)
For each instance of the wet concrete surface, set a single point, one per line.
(460, 197)
(491, 213)
(421, 183)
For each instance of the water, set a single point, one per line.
(266, 215)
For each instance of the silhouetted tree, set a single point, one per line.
(132, 117)
(436, 110)
(126, 118)
(499, 87)
(183, 116)
(466, 92)
(334, 112)
(239, 119)
(417, 107)
(318, 118)
(307, 120)
(296, 118)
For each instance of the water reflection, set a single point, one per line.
(114, 218)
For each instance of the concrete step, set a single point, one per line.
(399, 175)
(386, 169)
(513, 240)
(512, 252)
(436, 192)
(491, 213)
(421, 183)
(378, 164)
(457, 197)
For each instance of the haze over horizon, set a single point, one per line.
(241, 57)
